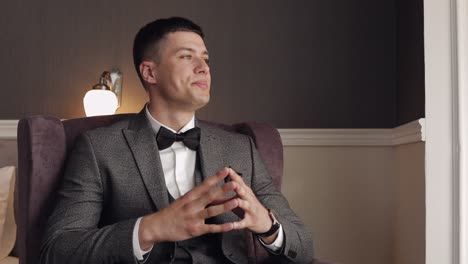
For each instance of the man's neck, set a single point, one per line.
(176, 120)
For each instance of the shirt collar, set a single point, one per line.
(156, 125)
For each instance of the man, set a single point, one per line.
(159, 187)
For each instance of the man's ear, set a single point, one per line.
(147, 71)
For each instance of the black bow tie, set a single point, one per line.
(191, 138)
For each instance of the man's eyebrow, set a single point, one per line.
(205, 52)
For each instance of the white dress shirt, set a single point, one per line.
(178, 164)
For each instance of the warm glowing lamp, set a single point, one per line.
(101, 100)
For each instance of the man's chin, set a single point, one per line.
(202, 103)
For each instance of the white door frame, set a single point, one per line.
(446, 80)
(462, 111)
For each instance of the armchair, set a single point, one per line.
(43, 145)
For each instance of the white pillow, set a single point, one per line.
(7, 218)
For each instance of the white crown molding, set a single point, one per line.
(408, 133)
(8, 129)
(336, 137)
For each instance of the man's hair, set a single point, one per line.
(146, 43)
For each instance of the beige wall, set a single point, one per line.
(346, 197)
(364, 205)
(8, 153)
(410, 204)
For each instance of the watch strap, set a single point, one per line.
(274, 227)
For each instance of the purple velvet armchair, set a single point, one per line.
(43, 144)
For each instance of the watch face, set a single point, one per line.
(273, 216)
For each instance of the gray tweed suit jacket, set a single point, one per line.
(114, 175)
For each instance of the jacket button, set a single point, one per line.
(292, 254)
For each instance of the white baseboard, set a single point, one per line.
(408, 133)
(8, 129)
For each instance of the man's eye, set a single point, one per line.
(207, 61)
(186, 56)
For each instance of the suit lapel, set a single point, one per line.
(210, 150)
(212, 160)
(142, 142)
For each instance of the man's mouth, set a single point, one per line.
(201, 84)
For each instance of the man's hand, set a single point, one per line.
(254, 215)
(185, 217)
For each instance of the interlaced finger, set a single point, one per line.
(221, 200)
(235, 177)
(240, 224)
(244, 205)
(206, 185)
(216, 193)
(245, 190)
(215, 210)
(212, 228)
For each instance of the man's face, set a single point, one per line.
(182, 73)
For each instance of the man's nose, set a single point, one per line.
(202, 67)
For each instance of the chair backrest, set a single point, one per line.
(43, 145)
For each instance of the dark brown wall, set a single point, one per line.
(410, 61)
(291, 63)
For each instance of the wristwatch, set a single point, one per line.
(274, 227)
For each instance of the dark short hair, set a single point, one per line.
(148, 37)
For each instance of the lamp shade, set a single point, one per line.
(100, 102)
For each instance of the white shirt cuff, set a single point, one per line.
(277, 244)
(137, 251)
